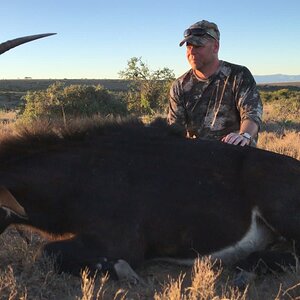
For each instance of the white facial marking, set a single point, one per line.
(10, 212)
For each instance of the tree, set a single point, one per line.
(148, 90)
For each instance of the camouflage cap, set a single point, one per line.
(198, 33)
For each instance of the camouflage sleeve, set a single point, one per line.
(176, 112)
(247, 97)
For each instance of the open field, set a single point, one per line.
(23, 85)
(280, 85)
(24, 276)
(12, 90)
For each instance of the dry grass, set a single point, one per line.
(287, 143)
(9, 115)
(203, 285)
(24, 276)
(280, 133)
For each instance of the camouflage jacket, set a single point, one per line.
(215, 107)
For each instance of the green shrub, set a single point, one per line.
(58, 101)
(280, 95)
(149, 90)
(285, 102)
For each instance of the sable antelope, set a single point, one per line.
(128, 192)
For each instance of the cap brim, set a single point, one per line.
(182, 42)
(194, 40)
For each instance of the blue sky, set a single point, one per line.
(95, 39)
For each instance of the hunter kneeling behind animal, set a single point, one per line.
(215, 99)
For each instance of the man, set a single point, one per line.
(214, 99)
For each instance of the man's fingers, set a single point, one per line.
(244, 142)
(228, 138)
(235, 139)
(232, 138)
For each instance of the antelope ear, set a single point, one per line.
(8, 201)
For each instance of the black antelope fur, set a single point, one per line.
(131, 192)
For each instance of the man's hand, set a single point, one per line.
(236, 139)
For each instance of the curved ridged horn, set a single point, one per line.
(19, 41)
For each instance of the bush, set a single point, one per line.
(148, 91)
(280, 95)
(58, 101)
(286, 103)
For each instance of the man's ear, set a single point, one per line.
(216, 46)
(9, 203)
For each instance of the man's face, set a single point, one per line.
(201, 56)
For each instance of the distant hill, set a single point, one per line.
(276, 78)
